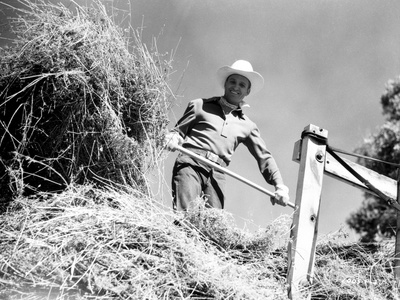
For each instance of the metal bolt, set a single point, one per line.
(319, 156)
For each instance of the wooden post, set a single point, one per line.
(301, 248)
(397, 246)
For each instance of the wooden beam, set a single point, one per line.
(301, 249)
(335, 170)
(383, 183)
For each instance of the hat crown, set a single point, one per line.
(242, 65)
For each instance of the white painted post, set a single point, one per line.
(301, 249)
(397, 246)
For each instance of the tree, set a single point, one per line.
(375, 218)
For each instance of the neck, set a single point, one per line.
(231, 106)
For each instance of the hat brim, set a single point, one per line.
(257, 81)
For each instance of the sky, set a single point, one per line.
(325, 62)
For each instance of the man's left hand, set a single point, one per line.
(281, 195)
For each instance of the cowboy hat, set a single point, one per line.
(244, 68)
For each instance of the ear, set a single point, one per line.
(248, 91)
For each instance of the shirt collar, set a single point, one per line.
(232, 106)
(238, 109)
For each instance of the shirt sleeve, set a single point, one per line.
(185, 123)
(266, 163)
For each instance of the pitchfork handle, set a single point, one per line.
(230, 173)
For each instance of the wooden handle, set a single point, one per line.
(230, 173)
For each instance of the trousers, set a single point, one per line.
(191, 179)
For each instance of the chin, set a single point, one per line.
(233, 100)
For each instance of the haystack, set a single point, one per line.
(87, 243)
(80, 101)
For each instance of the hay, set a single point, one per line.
(346, 270)
(102, 244)
(219, 227)
(75, 104)
(89, 243)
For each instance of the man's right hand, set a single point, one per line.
(172, 140)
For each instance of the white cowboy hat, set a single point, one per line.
(244, 68)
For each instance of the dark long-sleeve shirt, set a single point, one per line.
(204, 125)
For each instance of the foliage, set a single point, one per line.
(75, 104)
(375, 219)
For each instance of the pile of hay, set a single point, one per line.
(105, 244)
(88, 243)
(350, 270)
(75, 104)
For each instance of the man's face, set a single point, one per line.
(236, 88)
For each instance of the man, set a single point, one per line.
(214, 128)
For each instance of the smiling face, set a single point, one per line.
(236, 88)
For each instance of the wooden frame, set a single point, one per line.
(314, 161)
